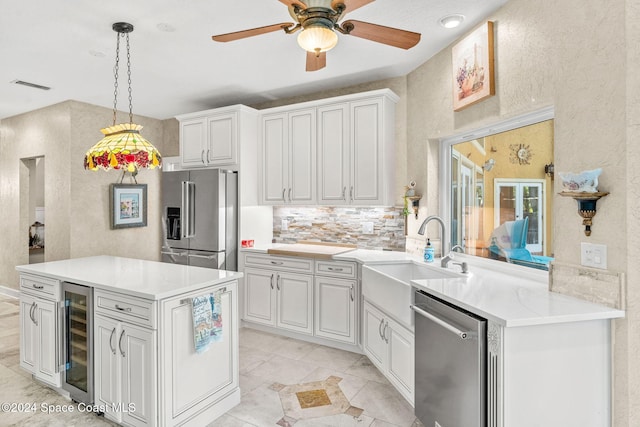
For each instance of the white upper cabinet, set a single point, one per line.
(356, 150)
(288, 157)
(212, 138)
(334, 167)
(353, 163)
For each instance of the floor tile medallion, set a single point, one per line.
(313, 400)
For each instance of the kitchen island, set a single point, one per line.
(146, 370)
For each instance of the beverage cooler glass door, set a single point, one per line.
(78, 346)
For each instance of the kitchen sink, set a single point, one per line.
(389, 285)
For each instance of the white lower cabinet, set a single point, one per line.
(40, 325)
(280, 299)
(38, 349)
(147, 372)
(335, 309)
(390, 347)
(185, 398)
(125, 367)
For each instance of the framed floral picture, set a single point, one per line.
(128, 205)
(473, 74)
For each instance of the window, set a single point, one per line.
(495, 194)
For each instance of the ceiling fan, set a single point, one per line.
(318, 21)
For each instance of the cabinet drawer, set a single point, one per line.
(346, 269)
(41, 286)
(126, 308)
(293, 264)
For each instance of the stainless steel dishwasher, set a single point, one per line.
(450, 357)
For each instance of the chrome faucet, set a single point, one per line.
(443, 238)
(453, 249)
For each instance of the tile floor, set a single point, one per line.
(269, 364)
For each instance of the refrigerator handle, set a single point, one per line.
(187, 212)
(183, 211)
(191, 210)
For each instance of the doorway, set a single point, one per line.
(36, 211)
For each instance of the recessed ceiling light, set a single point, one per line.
(96, 53)
(167, 28)
(451, 21)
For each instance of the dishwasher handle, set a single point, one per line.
(464, 335)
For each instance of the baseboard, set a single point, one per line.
(10, 292)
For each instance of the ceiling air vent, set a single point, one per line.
(33, 85)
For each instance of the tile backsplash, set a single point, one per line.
(341, 225)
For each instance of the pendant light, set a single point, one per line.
(122, 148)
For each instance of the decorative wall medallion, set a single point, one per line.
(520, 153)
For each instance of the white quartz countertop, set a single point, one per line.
(507, 294)
(146, 279)
(359, 255)
(511, 300)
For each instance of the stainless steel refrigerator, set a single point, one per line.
(200, 218)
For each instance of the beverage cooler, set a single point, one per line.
(78, 342)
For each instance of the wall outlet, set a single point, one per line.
(367, 227)
(593, 255)
(284, 225)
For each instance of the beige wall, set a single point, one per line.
(76, 200)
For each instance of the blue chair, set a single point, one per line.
(517, 252)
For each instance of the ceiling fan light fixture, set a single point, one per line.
(317, 38)
(451, 21)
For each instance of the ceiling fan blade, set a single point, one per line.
(250, 33)
(291, 3)
(381, 34)
(350, 5)
(316, 62)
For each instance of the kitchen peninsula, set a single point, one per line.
(143, 337)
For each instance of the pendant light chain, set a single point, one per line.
(115, 74)
(129, 81)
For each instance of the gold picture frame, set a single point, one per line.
(473, 68)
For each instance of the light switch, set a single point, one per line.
(284, 225)
(593, 255)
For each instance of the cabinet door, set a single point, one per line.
(373, 344)
(400, 358)
(302, 157)
(105, 358)
(193, 142)
(47, 319)
(333, 154)
(223, 145)
(137, 346)
(366, 152)
(275, 159)
(259, 301)
(334, 307)
(28, 333)
(295, 298)
(194, 381)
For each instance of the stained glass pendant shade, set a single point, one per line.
(123, 147)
